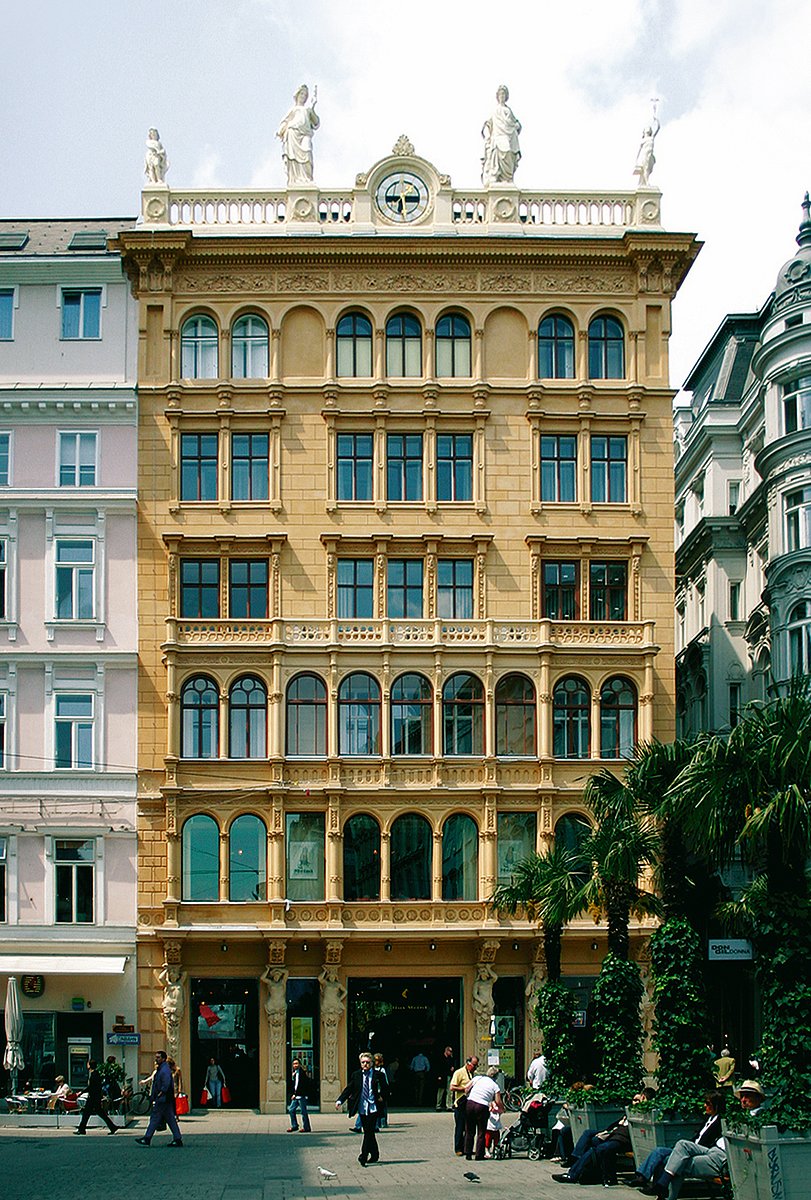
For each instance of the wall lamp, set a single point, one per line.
(305, 947)
(432, 946)
(595, 945)
(387, 947)
(224, 947)
(515, 945)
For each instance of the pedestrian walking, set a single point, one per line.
(163, 1103)
(483, 1095)
(420, 1068)
(299, 1082)
(93, 1105)
(459, 1081)
(366, 1093)
(215, 1081)
(444, 1070)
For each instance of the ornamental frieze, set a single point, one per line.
(404, 281)
(551, 280)
(248, 281)
(505, 281)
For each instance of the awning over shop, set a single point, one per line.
(62, 964)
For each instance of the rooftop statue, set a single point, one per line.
(156, 164)
(501, 150)
(296, 133)
(645, 160)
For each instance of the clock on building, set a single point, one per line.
(402, 196)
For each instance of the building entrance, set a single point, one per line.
(403, 1019)
(225, 1026)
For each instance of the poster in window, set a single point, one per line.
(505, 1031)
(301, 1032)
(304, 858)
(305, 1057)
(507, 1056)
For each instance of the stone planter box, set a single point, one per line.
(769, 1166)
(650, 1129)
(593, 1116)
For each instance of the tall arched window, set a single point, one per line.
(200, 859)
(249, 348)
(571, 719)
(198, 348)
(452, 346)
(799, 638)
(463, 715)
(411, 843)
(353, 336)
(199, 718)
(359, 715)
(361, 858)
(617, 718)
(307, 717)
(515, 716)
(411, 715)
(248, 719)
(606, 349)
(247, 859)
(460, 858)
(556, 348)
(571, 831)
(403, 346)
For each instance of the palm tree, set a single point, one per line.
(547, 888)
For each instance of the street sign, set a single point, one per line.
(123, 1039)
(729, 950)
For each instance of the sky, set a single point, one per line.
(87, 79)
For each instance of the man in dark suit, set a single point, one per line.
(366, 1093)
(298, 1098)
(163, 1103)
(93, 1106)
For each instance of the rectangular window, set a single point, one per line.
(405, 588)
(609, 470)
(75, 864)
(198, 466)
(249, 466)
(3, 579)
(404, 466)
(735, 700)
(305, 856)
(797, 404)
(733, 496)
(6, 314)
(200, 588)
(248, 589)
(2, 732)
(77, 459)
(734, 600)
(558, 470)
(356, 588)
(516, 841)
(454, 584)
(561, 587)
(608, 591)
(5, 459)
(3, 859)
(75, 573)
(354, 466)
(81, 313)
(74, 732)
(798, 519)
(454, 466)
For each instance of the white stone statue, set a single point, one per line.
(501, 150)
(645, 160)
(483, 1004)
(156, 164)
(173, 1006)
(275, 980)
(296, 133)
(333, 995)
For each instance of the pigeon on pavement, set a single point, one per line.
(470, 1175)
(325, 1174)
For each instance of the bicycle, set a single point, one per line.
(139, 1102)
(514, 1097)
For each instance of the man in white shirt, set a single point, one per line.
(537, 1072)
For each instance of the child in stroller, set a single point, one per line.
(530, 1133)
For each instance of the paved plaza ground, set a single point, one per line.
(244, 1156)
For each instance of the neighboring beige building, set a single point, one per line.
(406, 578)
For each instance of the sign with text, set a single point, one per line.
(123, 1039)
(729, 950)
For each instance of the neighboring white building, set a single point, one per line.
(68, 635)
(743, 506)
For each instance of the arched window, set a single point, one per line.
(307, 717)
(199, 718)
(411, 843)
(359, 715)
(354, 345)
(515, 716)
(571, 831)
(463, 715)
(460, 858)
(617, 718)
(411, 715)
(799, 638)
(403, 346)
(452, 346)
(556, 348)
(198, 348)
(200, 859)
(248, 711)
(249, 348)
(606, 349)
(571, 713)
(247, 859)
(361, 858)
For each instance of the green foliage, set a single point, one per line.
(681, 1020)
(113, 1071)
(617, 1024)
(547, 888)
(554, 1014)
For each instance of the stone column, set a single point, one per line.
(333, 1009)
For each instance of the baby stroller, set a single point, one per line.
(530, 1133)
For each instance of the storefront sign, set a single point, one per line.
(123, 1039)
(730, 950)
(579, 1019)
(121, 1027)
(32, 985)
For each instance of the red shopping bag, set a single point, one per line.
(182, 1104)
(225, 1095)
(204, 1099)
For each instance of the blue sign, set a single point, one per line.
(123, 1039)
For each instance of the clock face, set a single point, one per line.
(402, 196)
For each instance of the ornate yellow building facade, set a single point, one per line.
(406, 579)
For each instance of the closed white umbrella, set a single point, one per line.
(13, 1060)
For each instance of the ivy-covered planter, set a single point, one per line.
(769, 1165)
(593, 1116)
(650, 1129)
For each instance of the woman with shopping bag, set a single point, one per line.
(215, 1083)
